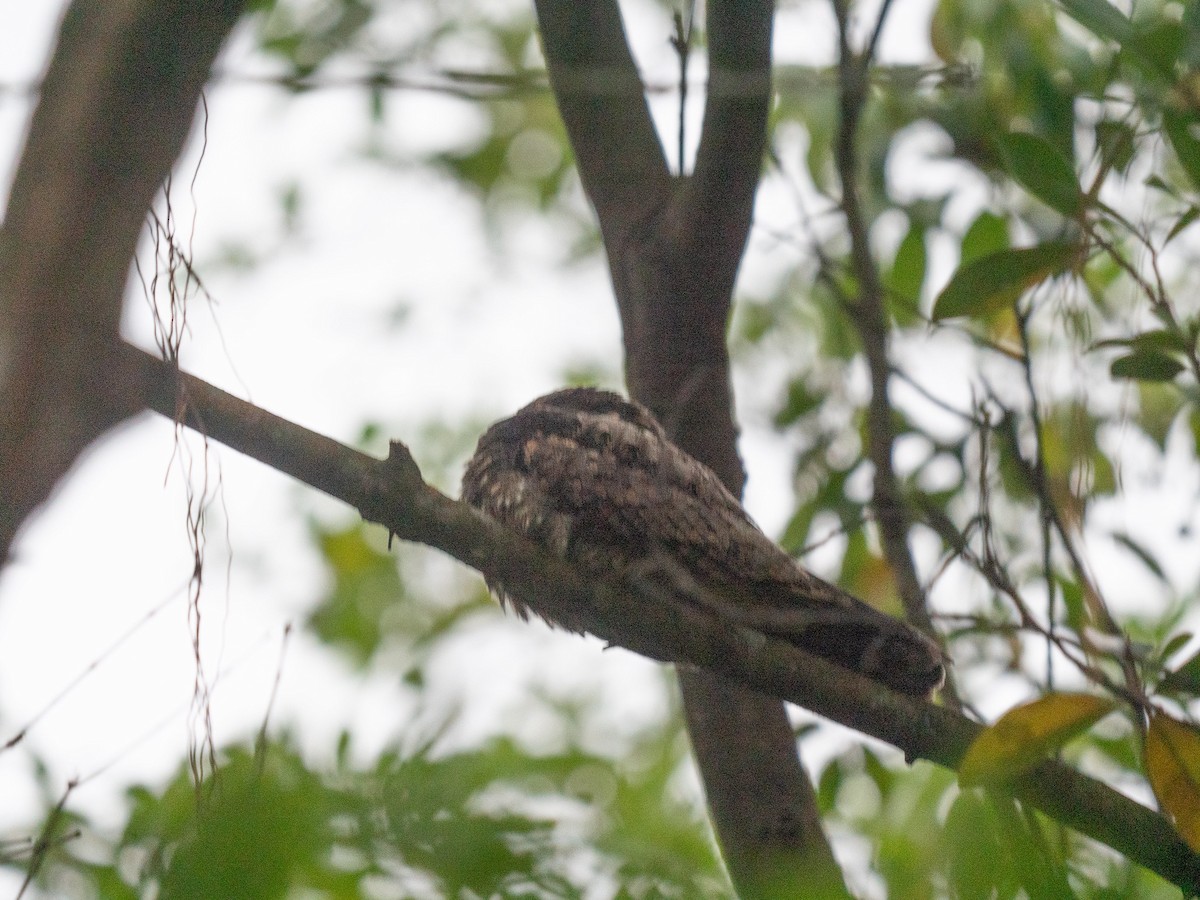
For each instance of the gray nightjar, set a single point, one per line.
(594, 479)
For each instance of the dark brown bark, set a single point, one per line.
(674, 246)
(116, 105)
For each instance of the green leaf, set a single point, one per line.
(1158, 339)
(1043, 171)
(1175, 644)
(1117, 143)
(1185, 679)
(1072, 595)
(992, 282)
(988, 234)
(907, 275)
(1146, 557)
(252, 837)
(366, 582)
(976, 861)
(1184, 221)
(1146, 365)
(800, 402)
(1178, 128)
(1156, 48)
(1026, 734)
(1101, 18)
(1173, 768)
(1158, 184)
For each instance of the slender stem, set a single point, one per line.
(868, 312)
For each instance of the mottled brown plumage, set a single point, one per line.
(594, 479)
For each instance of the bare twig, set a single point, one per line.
(47, 839)
(869, 313)
(682, 42)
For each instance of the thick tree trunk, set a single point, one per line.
(674, 246)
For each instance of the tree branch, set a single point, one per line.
(116, 105)
(600, 98)
(719, 197)
(870, 317)
(392, 493)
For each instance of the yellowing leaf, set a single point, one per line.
(1026, 734)
(1173, 767)
(991, 282)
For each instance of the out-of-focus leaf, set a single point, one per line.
(1116, 143)
(253, 834)
(867, 575)
(1145, 556)
(1178, 128)
(1026, 734)
(1182, 223)
(907, 275)
(801, 400)
(1155, 339)
(1159, 406)
(1154, 181)
(975, 853)
(1101, 18)
(306, 40)
(1173, 767)
(1146, 365)
(753, 321)
(1124, 750)
(830, 494)
(830, 783)
(1072, 595)
(994, 281)
(1161, 339)
(992, 851)
(1043, 171)
(988, 234)
(1174, 644)
(1185, 678)
(366, 581)
(1157, 47)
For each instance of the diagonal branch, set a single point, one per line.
(393, 493)
(719, 197)
(600, 97)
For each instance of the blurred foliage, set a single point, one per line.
(1044, 311)
(1068, 326)
(516, 160)
(496, 820)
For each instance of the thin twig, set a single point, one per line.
(869, 315)
(682, 42)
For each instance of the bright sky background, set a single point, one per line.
(315, 333)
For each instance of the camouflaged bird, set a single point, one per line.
(594, 479)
